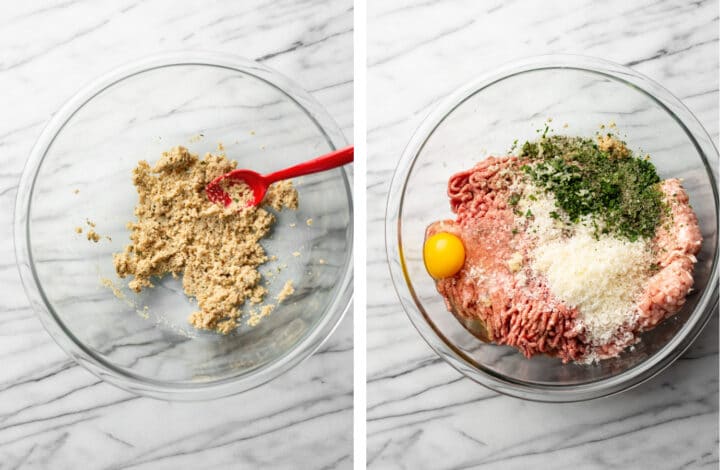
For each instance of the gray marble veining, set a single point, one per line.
(421, 412)
(53, 413)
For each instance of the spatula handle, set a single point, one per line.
(325, 162)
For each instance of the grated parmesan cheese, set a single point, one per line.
(542, 226)
(600, 277)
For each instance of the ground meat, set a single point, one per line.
(677, 241)
(525, 316)
(499, 299)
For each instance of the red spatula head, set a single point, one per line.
(216, 193)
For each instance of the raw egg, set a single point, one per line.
(444, 255)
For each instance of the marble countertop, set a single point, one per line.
(55, 414)
(421, 412)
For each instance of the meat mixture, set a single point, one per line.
(573, 247)
(216, 249)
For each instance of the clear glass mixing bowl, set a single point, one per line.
(484, 118)
(80, 169)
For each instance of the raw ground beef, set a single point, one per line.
(515, 306)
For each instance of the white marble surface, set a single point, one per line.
(53, 413)
(421, 412)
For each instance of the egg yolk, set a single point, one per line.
(444, 255)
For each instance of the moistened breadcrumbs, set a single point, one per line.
(286, 291)
(240, 194)
(179, 231)
(257, 316)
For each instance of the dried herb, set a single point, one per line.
(612, 186)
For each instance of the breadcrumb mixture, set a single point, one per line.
(257, 315)
(240, 193)
(286, 291)
(179, 231)
(115, 290)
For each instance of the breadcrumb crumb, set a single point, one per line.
(286, 291)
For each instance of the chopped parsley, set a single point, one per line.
(610, 184)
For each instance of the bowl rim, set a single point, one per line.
(623, 381)
(101, 367)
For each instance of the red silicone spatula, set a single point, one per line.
(259, 183)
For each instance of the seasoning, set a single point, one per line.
(603, 180)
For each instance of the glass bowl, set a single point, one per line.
(484, 118)
(80, 169)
